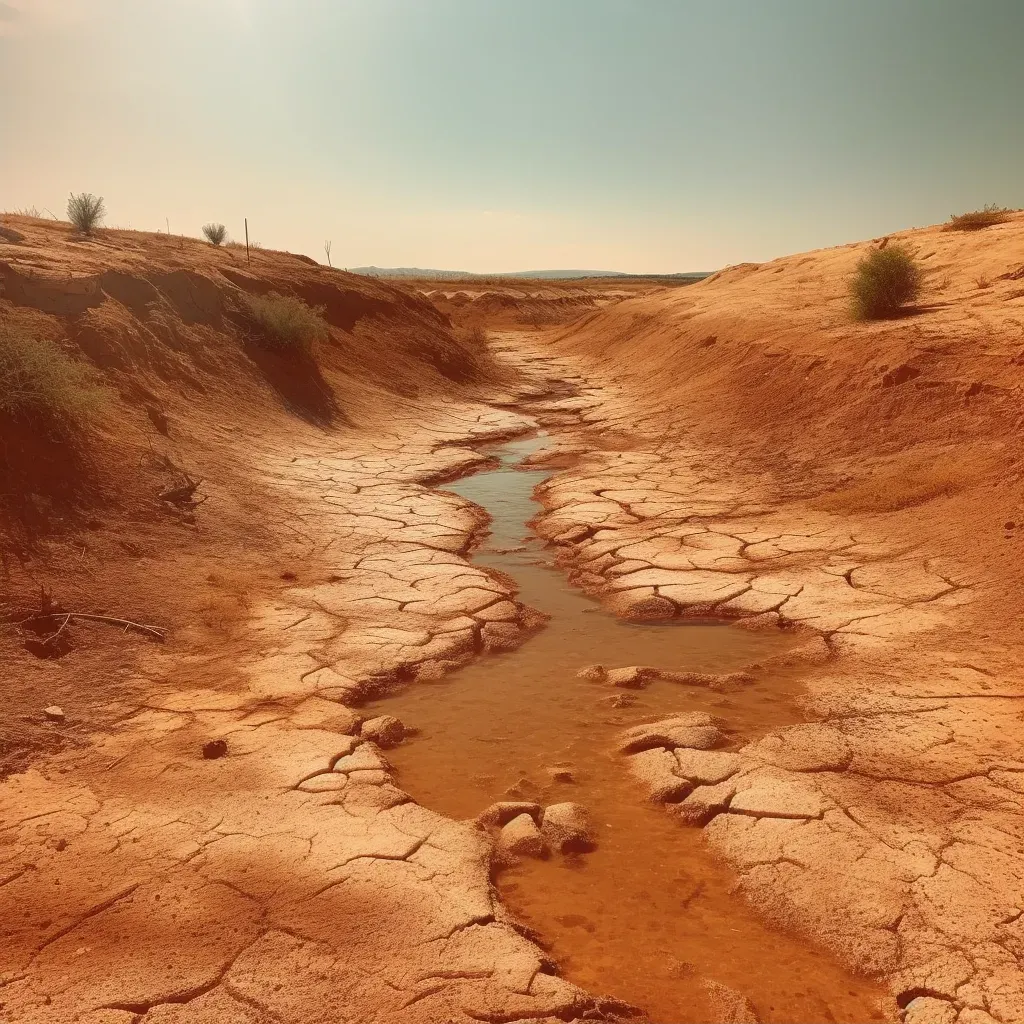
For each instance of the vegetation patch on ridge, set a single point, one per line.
(978, 219)
(885, 281)
(41, 385)
(285, 323)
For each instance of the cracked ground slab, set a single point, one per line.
(289, 880)
(889, 826)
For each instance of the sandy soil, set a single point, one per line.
(737, 447)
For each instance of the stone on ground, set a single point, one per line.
(566, 827)
(521, 838)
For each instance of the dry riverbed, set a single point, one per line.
(311, 873)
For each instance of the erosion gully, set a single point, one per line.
(650, 916)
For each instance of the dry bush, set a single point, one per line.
(978, 219)
(983, 282)
(285, 323)
(40, 384)
(215, 233)
(885, 280)
(85, 211)
(891, 488)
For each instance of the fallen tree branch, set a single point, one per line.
(183, 491)
(140, 627)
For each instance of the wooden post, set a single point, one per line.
(247, 240)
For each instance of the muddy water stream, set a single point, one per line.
(649, 915)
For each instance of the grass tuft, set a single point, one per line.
(40, 384)
(978, 219)
(285, 323)
(215, 233)
(85, 211)
(885, 281)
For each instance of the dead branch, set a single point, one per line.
(182, 492)
(154, 631)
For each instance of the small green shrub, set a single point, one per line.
(85, 211)
(886, 279)
(978, 219)
(285, 323)
(40, 384)
(215, 233)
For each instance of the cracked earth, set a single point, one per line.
(239, 845)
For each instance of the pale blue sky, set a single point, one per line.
(644, 135)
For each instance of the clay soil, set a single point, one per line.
(735, 450)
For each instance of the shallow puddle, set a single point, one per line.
(649, 915)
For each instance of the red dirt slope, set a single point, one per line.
(766, 454)
(158, 321)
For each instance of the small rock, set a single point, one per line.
(54, 713)
(522, 788)
(521, 838)
(619, 700)
(502, 812)
(567, 827)
(635, 677)
(214, 749)
(719, 682)
(501, 636)
(592, 672)
(561, 775)
(386, 731)
(1009, 525)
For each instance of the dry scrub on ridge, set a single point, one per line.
(85, 211)
(885, 281)
(285, 323)
(986, 217)
(43, 386)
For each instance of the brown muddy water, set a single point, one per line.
(650, 916)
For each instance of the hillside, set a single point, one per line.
(187, 392)
(764, 454)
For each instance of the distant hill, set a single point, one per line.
(544, 275)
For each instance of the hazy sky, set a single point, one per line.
(644, 135)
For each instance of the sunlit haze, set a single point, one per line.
(485, 136)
